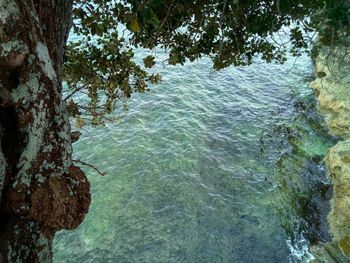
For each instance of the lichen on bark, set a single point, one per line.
(42, 190)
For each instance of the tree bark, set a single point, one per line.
(41, 190)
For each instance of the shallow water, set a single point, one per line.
(206, 167)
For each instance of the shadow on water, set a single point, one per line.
(280, 184)
(300, 175)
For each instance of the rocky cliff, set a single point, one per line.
(332, 87)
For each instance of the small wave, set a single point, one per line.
(299, 250)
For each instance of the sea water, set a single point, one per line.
(209, 166)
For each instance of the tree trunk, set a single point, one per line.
(41, 190)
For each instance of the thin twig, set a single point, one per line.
(73, 92)
(221, 29)
(91, 166)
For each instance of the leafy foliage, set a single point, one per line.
(101, 64)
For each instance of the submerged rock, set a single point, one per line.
(335, 252)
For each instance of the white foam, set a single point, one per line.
(299, 250)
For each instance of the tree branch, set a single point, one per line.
(91, 166)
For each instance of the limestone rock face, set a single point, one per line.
(332, 86)
(338, 162)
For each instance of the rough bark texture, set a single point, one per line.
(41, 190)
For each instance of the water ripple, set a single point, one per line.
(187, 181)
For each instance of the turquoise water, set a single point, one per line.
(206, 167)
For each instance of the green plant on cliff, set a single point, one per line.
(42, 190)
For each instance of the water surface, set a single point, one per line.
(206, 167)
